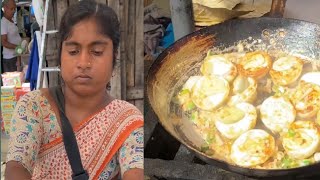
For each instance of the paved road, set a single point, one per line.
(4, 149)
(4, 146)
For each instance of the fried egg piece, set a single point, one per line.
(277, 113)
(184, 95)
(233, 123)
(191, 82)
(255, 64)
(318, 118)
(218, 65)
(209, 92)
(286, 70)
(306, 99)
(244, 90)
(316, 157)
(311, 77)
(302, 139)
(252, 148)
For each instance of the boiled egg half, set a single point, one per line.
(311, 77)
(252, 148)
(184, 95)
(277, 113)
(286, 70)
(209, 92)
(231, 122)
(306, 99)
(218, 65)
(302, 139)
(244, 90)
(255, 64)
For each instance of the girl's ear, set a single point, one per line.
(116, 52)
(115, 55)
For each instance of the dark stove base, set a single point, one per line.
(158, 169)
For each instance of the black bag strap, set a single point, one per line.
(69, 139)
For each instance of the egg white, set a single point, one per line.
(184, 95)
(218, 65)
(286, 70)
(234, 130)
(255, 64)
(302, 139)
(248, 154)
(312, 77)
(191, 82)
(249, 94)
(316, 157)
(318, 118)
(306, 99)
(277, 113)
(210, 92)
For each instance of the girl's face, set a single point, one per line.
(86, 59)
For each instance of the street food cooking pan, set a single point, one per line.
(179, 61)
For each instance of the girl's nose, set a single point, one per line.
(84, 61)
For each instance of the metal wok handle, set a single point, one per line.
(277, 8)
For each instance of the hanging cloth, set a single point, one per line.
(32, 72)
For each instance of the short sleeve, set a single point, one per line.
(131, 152)
(25, 131)
(4, 27)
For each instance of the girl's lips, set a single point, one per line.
(82, 78)
(82, 75)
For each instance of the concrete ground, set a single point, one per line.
(4, 146)
(4, 149)
(2, 170)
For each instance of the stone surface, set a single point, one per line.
(184, 170)
(4, 150)
(4, 146)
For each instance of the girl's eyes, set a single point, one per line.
(73, 52)
(97, 53)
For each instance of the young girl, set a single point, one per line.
(108, 131)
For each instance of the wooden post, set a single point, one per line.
(62, 6)
(102, 1)
(124, 4)
(277, 8)
(51, 46)
(182, 17)
(130, 36)
(116, 78)
(72, 2)
(139, 58)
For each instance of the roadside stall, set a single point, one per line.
(186, 138)
(14, 84)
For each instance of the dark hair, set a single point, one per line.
(105, 17)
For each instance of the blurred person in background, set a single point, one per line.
(10, 37)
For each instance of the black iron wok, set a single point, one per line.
(299, 38)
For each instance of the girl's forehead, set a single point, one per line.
(87, 29)
(86, 25)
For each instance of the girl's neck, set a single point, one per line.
(86, 103)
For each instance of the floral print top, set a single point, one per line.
(35, 139)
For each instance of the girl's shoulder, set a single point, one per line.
(123, 105)
(31, 96)
(34, 98)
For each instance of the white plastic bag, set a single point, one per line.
(38, 9)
